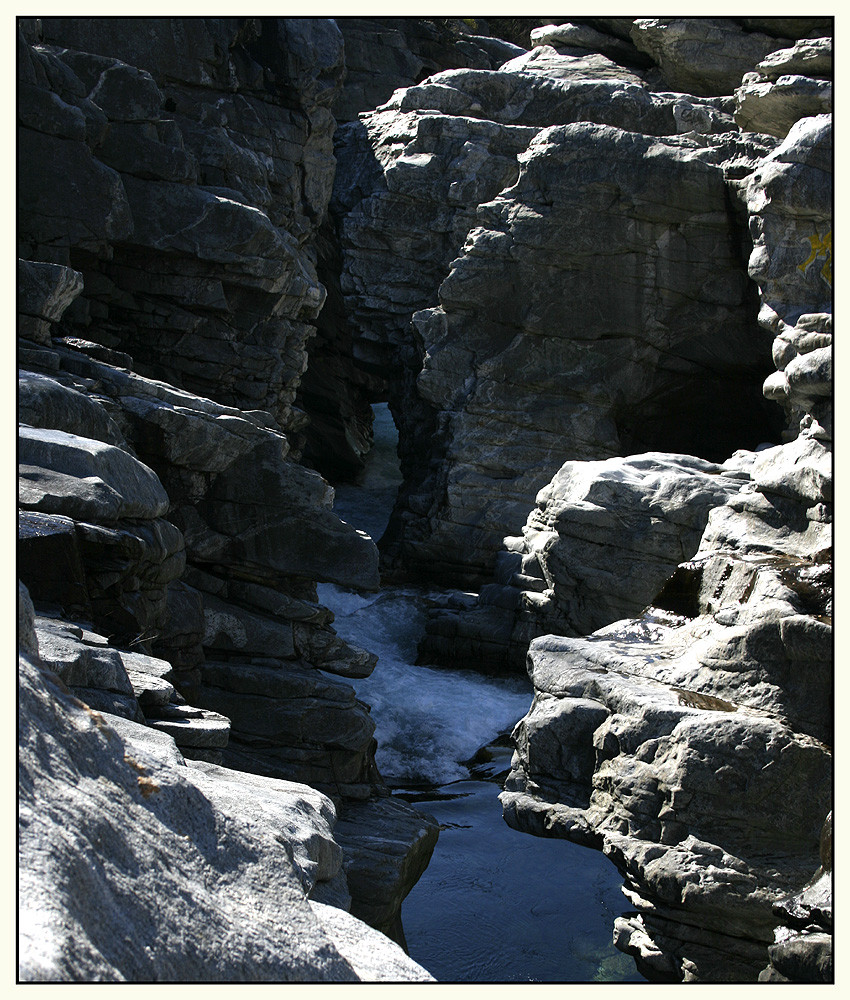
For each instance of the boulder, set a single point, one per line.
(387, 846)
(62, 473)
(166, 881)
(702, 55)
(603, 539)
(787, 85)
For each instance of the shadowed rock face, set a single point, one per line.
(175, 173)
(197, 186)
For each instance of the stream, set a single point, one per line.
(494, 905)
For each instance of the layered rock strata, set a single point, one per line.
(441, 196)
(167, 288)
(658, 739)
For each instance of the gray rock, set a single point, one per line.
(385, 54)
(482, 473)
(373, 956)
(301, 816)
(64, 649)
(807, 57)
(583, 36)
(127, 94)
(602, 541)
(792, 253)
(47, 403)
(570, 63)
(702, 56)
(266, 172)
(62, 473)
(190, 883)
(740, 671)
(150, 690)
(387, 845)
(231, 628)
(148, 741)
(109, 703)
(27, 635)
(774, 106)
(191, 728)
(662, 778)
(328, 652)
(44, 293)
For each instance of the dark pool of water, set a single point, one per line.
(495, 905)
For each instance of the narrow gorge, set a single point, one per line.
(425, 499)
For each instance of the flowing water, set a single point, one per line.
(494, 905)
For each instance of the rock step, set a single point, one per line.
(192, 728)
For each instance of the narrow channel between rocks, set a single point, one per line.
(443, 745)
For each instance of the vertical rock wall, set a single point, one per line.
(174, 175)
(657, 739)
(474, 212)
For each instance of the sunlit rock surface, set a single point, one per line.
(657, 739)
(134, 867)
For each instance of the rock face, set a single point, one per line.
(134, 866)
(508, 336)
(564, 267)
(603, 539)
(787, 85)
(198, 184)
(171, 542)
(658, 739)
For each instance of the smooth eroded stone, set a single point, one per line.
(179, 871)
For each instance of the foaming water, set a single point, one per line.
(494, 905)
(429, 720)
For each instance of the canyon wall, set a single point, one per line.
(173, 176)
(591, 272)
